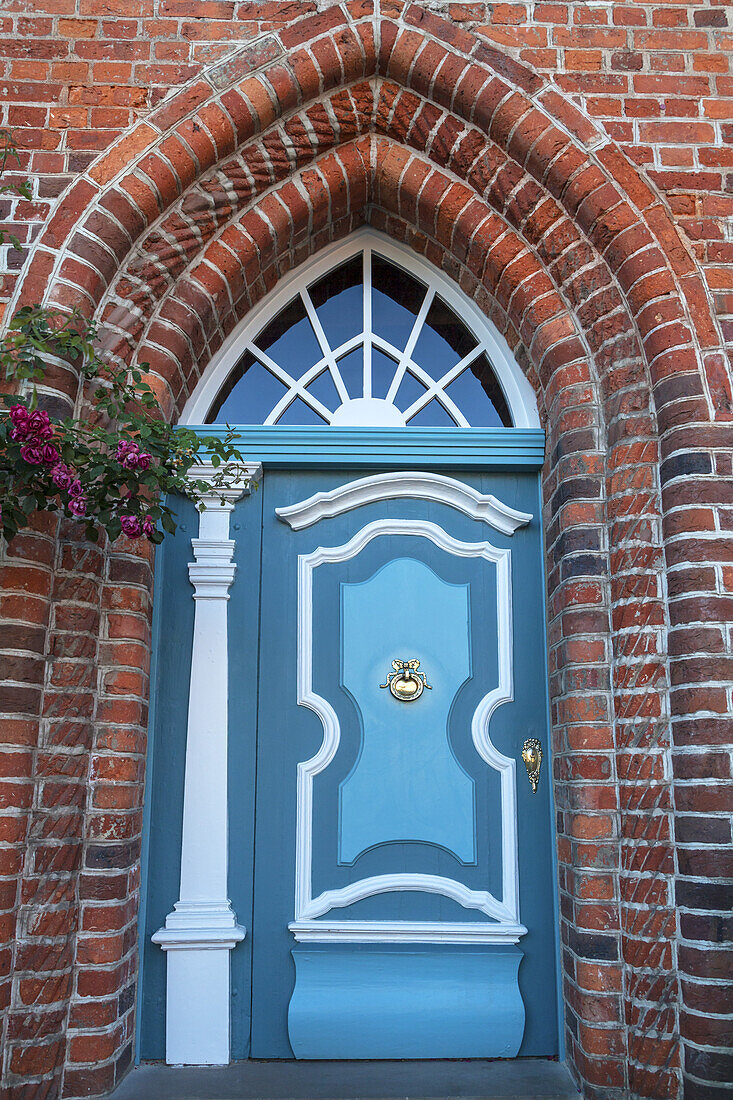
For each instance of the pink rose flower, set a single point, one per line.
(148, 527)
(77, 506)
(131, 526)
(39, 425)
(50, 454)
(75, 489)
(62, 476)
(128, 454)
(34, 426)
(32, 453)
(19, 417)
(143, 460)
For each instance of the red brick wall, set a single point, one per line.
(77, 73)
(568, 165)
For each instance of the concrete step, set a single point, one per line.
(520, 1079)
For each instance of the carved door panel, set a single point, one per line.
(403, 867)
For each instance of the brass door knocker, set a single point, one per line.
(532, 757)
(406, 683)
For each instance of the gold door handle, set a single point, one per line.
(532, 757)
(406, 683)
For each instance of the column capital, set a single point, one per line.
(219, 503)
(247, 474)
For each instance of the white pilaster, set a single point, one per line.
(202, 928)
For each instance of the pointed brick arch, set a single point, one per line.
(543, 135)
(405, 122)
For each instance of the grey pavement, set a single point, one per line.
(521, 1079)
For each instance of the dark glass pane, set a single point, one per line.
(443, 341)
(300, 413)
(339, 301)
(432, 416)
(352, 372)
(248, 396)
(396, 301)
(478, 395)
(409, 391)
(290, 340)
(324, 390)
(383, 370)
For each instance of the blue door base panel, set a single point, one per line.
(370, 1002)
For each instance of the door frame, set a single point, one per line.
(198, 941)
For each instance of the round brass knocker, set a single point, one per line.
(406, 683)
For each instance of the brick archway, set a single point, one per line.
(417, 128)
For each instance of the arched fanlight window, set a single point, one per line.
(368, 335)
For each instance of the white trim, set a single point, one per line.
(415, 486)
(404, 932)
(367, 307)
(202, 925)
(406, 357)
(518, 392)
(307, 908)
(324, 345)
(425, 884)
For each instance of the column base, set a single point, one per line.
(198, 937)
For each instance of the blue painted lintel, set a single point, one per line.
(283, 447)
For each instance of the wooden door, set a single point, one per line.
(403, 870)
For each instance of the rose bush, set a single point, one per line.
(114, 466)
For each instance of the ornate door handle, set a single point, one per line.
(532, 757)
(406, 683)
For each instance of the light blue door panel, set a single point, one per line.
(446, 801)
(368, 1001)
(406, 784)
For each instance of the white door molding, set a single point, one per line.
(416, 485)
(504, 912)
(202, 928)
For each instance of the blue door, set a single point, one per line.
(401, 893)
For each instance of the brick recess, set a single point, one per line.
(566, 164)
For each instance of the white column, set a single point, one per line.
(202, 929)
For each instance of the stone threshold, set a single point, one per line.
(470, 1079)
